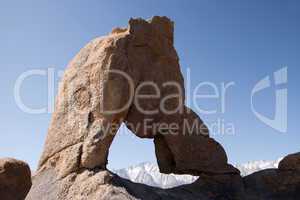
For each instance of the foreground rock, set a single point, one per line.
(271, 184)
(15, 179)
(290, 162)
(103, 185)
(276, 184)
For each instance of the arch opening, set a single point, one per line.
(134, 158)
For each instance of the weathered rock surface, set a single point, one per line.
(110, 74)
(270, 184)
(15, 179)
(103, 185)
(275, 184)
(290, 162)
(98, 92)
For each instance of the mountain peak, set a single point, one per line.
(148, 173)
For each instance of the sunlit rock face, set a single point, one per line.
(105, 85)
(108, 83)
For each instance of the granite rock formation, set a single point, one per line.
(105, 85)
(15, 179)
(275, 184)
(133, 76)
(104, 185)
(98, 184)
(290, 162)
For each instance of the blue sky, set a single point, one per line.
(220, 42)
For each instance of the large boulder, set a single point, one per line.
(275, 184)
(131, 76)
(290, 162)
(15, 179)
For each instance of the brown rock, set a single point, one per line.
(114, 73)
(85, 185)
(191, 151)
(110, 74)
(15, 179)
(290, 162)
(273, 184)
(276, 184)
(103, 185)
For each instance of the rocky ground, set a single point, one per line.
(270, 184)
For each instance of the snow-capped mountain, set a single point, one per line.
(254, 166)
(148, 173)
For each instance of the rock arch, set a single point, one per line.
(104, 76)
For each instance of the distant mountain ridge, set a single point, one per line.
(148, 173)
(254, 166)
